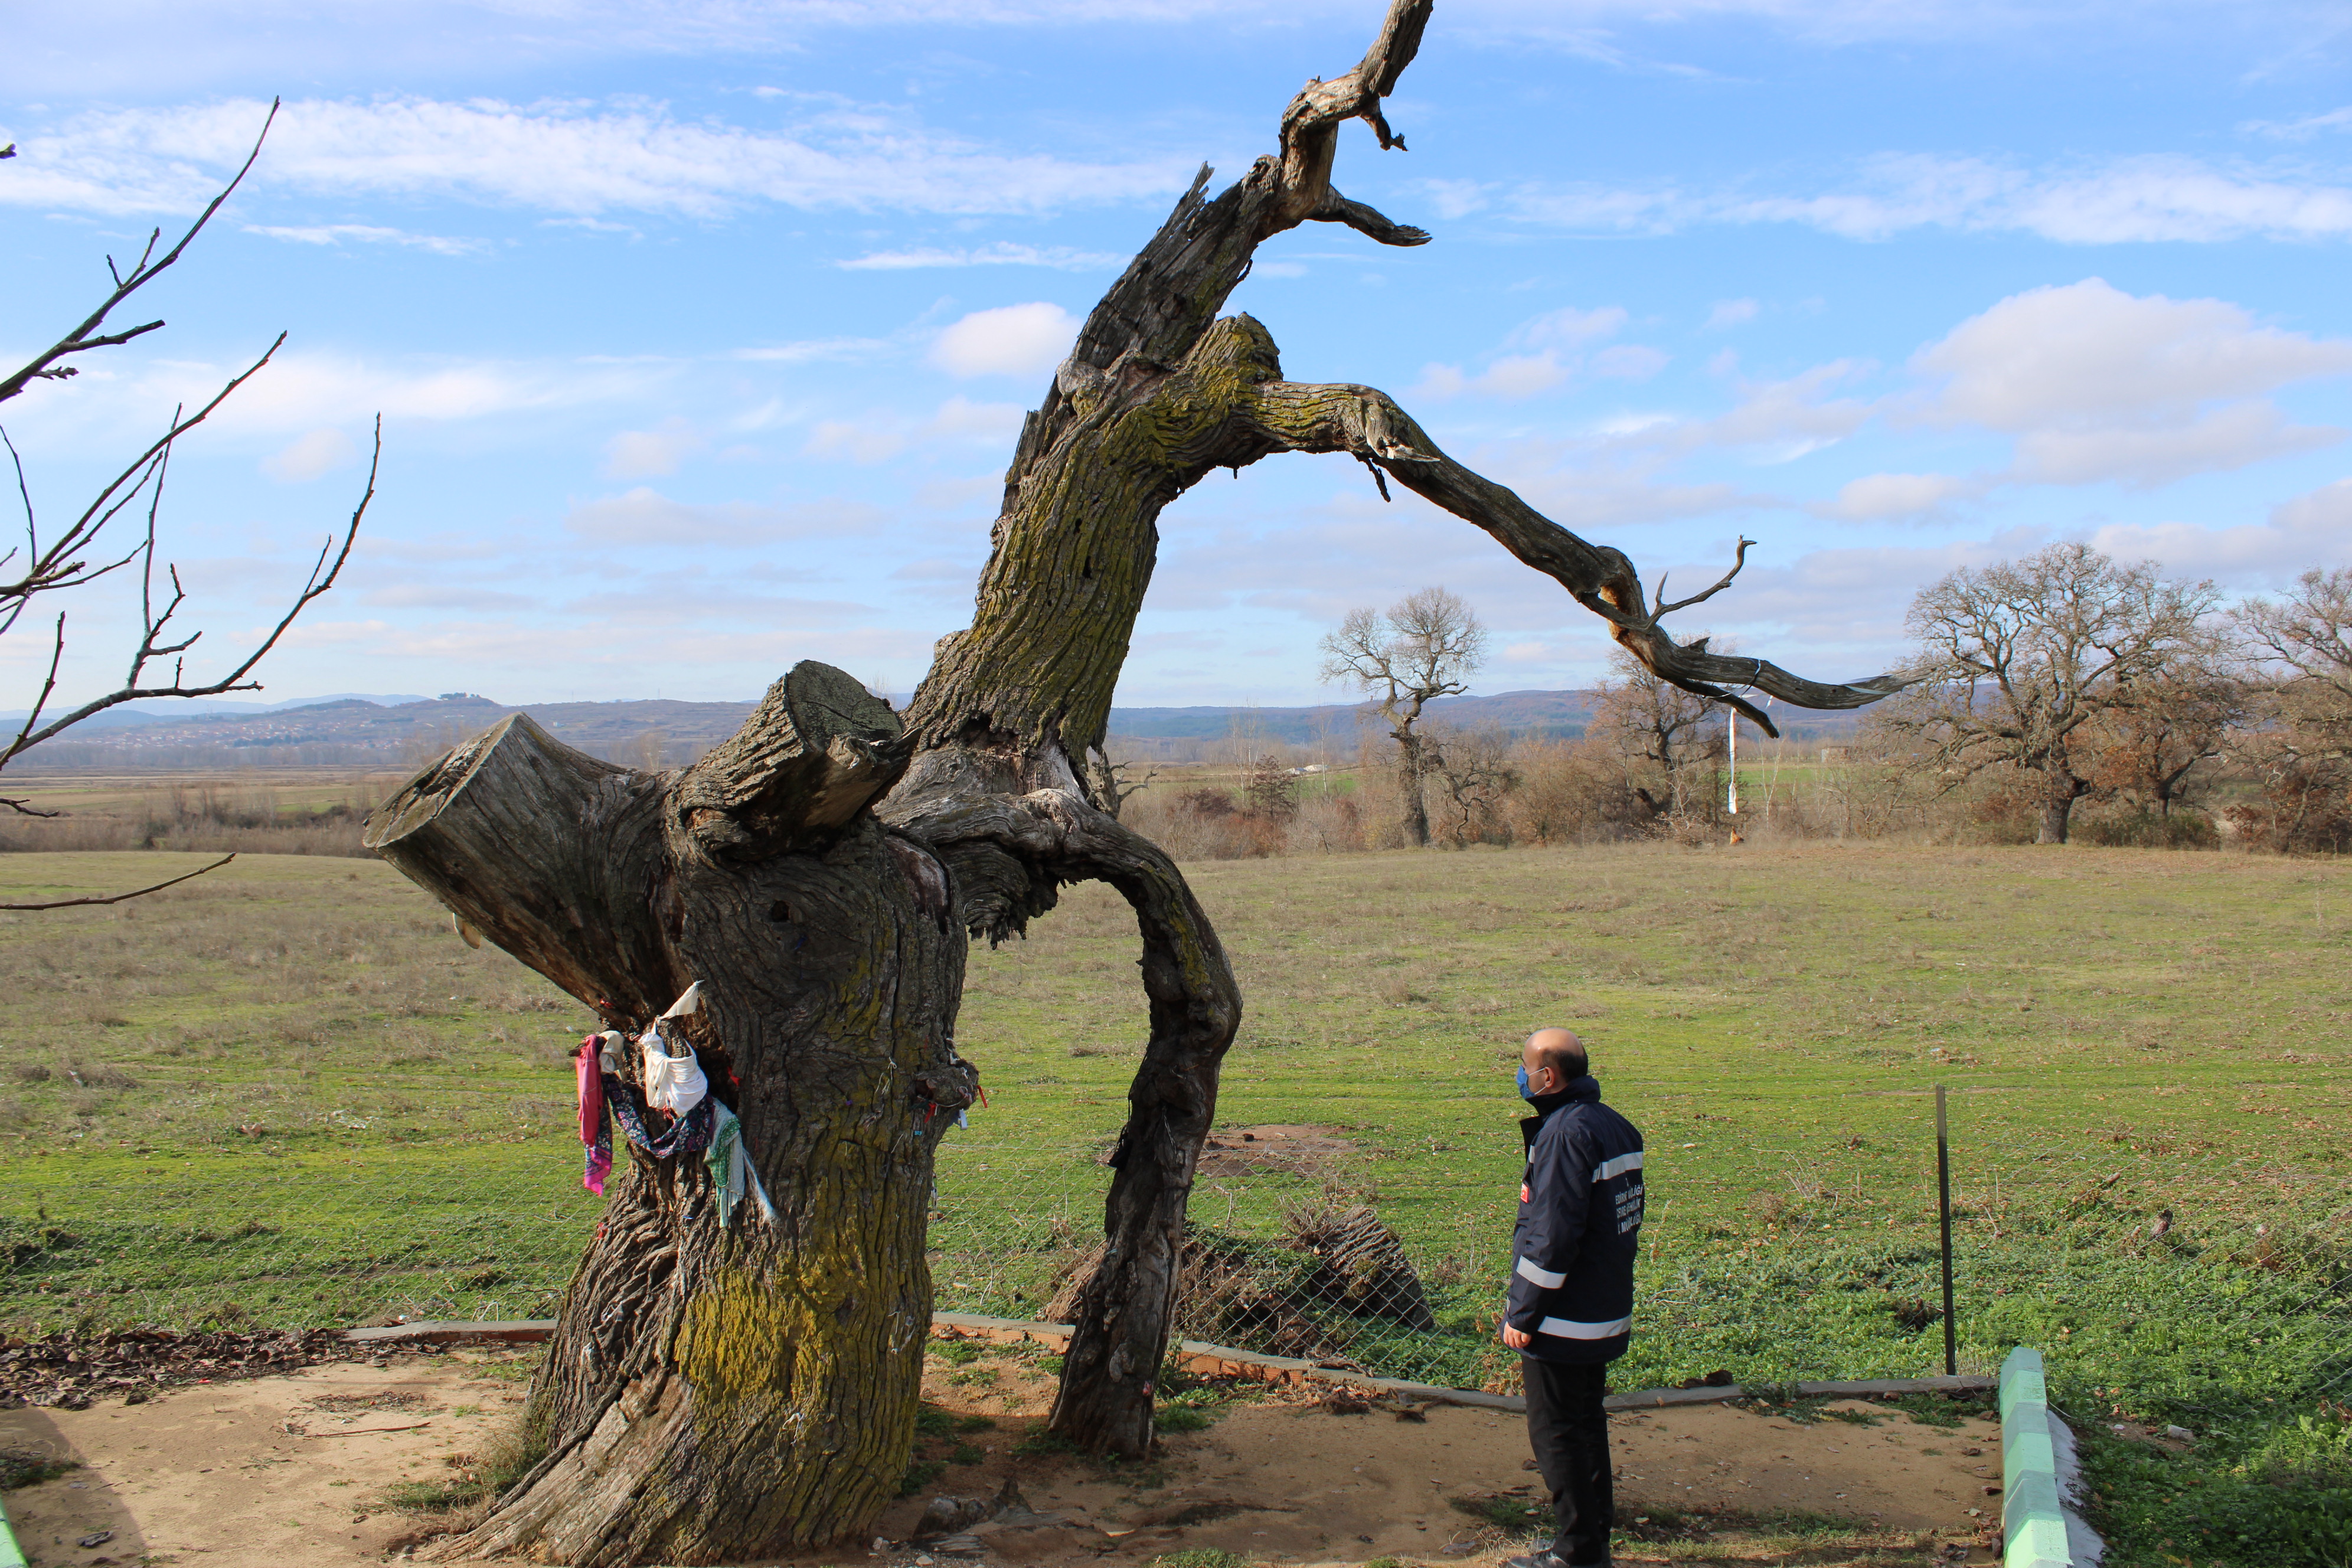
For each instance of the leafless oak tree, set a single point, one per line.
(2302, 746)
(1474, 769)
(84, 553)
(2148, 755)
(1425, 648)
(1657, 733)
(715, 1393)
(2019, 659)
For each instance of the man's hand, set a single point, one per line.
(1515, 1338)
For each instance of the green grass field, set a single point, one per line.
(286, 1092)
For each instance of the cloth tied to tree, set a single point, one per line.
(672, 1074)
(596, 1129)
(689, 1134)
(732, 1168)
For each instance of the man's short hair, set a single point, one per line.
(1561, 1051)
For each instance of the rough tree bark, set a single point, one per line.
(717, 1394)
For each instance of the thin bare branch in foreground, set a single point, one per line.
(119, 898)
(44, 366)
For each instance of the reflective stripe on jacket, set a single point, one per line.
(1580, 1226)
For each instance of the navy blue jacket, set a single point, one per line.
(1579, 1225)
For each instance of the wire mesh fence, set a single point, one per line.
(1786, 1238)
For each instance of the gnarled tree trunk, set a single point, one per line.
(1410, 772)
(715, 1393)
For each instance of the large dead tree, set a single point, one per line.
(717, 1393)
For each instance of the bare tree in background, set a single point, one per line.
(2018, 661)
(2303, 745)
(1426, 647)
(2148, 754)
(1114, 782)
(1476, 771)
(717, 1389)
(648, 750)
(85, 552)
(1657, 733)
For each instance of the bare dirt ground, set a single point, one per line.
(296, 1470)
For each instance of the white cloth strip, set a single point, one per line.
(1617, 1167)
(1544, 1277)
(1562, 1328)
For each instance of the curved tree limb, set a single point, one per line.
(1120, 1333)
(1368, 424)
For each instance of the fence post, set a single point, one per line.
(1944, 1212)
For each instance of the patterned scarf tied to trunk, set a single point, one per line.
(596, 1128)
(689, 1134)
(706, 1128)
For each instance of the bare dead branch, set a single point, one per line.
(1368, 424)
(1664, 609)
(119, 898)
(22, 806)
(80, 339)
(324, 573)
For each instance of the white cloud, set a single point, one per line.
(1555, 337)
(649, 454)
(1878, 498)
(2312, 530)
(2327, 510)
(1789, 418)
(309, 457)
(2153, 198)
(1568, 328)
(1520, 375)
(848, 439)
(2302, 129)
(960, 417)
(1731, 313)
(2144, 456)
(2100, 384)
(368, 234)
(878, 438)
(811, 349)
(297, 394)
(2089, 350)
(646, 516)
(1628, 362)
(1011, 340)
(562, 157)
(1001, 254)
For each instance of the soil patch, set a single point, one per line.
(1294, 1150)
(290, 1468)
(1311, 1477)
(296, 1470)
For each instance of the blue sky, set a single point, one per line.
(701, 329)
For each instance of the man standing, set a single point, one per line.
(1571, 1302)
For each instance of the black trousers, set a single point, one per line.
(1569, 1433)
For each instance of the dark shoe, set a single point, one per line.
(1548, 1558)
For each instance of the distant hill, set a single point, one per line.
(356, 730)
(1528, 715)
(1556, 715)
(390, 733)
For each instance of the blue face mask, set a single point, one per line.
(1525, 1093)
